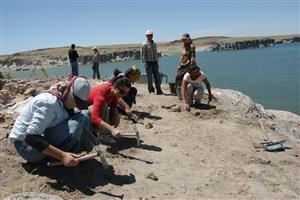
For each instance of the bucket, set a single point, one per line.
(172, 88)
(178, 92)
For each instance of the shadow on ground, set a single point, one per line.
(84, 177)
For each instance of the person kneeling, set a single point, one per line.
(105, 116)
(191, 87)
(48, 125)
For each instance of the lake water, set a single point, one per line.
(270, 76)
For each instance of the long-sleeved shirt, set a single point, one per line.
(99, 96)
(43, 111)
(73, 55)
(149, 52)
(96, 58)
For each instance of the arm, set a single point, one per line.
(193, 54)
(124, 106)
(208, 88)
(96, 117)
(183, 92)
(143, 53)
(41, 145)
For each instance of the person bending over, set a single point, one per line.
(133, 74)
(104, 100)
(49, 126)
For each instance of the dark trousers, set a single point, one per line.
(152, 69)
(96, 70)
(182, 69)
(74, 67)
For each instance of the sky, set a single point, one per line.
(35, 24)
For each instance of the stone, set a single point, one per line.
(152, 176)
(148, 125)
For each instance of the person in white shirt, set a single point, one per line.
(191, 87)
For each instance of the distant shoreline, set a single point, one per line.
(51, 57)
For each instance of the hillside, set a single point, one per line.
(113, 53)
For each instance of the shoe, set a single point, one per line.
(159, 92)
(151, 91)
(107, 139)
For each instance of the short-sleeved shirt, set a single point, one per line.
(101, 95)
(197, 82)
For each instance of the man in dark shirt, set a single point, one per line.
(73, 56)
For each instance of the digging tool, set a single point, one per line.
(135, 134)
(268, 144)
(85, 157)
(168, 107)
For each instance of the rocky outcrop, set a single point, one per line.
(241, 106)
(18, 64)
(116, 56)
(242, 44)
(246, 44)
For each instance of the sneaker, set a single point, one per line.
(107, 139)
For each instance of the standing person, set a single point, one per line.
(48, 125)
(150, 58)
(73, 56)
(187, 58)
(192, 88)
(133, 74)
(104, 98)
(96, 61)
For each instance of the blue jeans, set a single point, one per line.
(74, 67)
(152, 68)
(71, 135)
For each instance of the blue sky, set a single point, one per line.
(32, 24)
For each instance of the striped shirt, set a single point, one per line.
(149, 52)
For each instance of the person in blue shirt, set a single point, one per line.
(49, 126)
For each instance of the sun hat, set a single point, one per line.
(149, 32)
(185, 36)
(81, 92)
(136, 72)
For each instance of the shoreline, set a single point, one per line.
(25, 61)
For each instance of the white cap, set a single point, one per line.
(94, 48)
(149, 32)
(81, 92)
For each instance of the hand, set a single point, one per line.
(210, 97)
(69, 159)
(116, 133)
(128, 112)
(145, 65)
(187, 107)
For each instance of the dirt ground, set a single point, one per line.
(203, 154)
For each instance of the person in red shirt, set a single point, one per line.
(104, 99)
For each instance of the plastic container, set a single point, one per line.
(178, 92)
